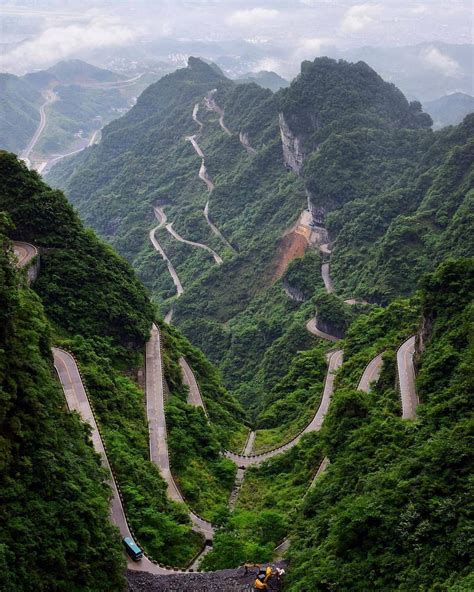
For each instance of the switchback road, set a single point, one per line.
(194, 395)
(211, 104)
(371, 374)
(155, 409)
(406, 378)
(161, 216)
(77, 400)
(24, 253)
(50, 97)
(174, 234)
(334, 363)
(312, 327)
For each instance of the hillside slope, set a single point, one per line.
(338, 140)
(55, 529)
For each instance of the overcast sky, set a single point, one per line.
(57, 29)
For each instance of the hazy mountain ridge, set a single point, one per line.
(450, 109)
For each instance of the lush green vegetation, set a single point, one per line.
(195, 443)
(267, 504)
(366, 148)
(19, 115)
(102, 313)
(55, 533)
(394, 511)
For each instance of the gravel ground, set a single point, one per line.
(227, 580)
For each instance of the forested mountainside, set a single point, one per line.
(97, 309)
(373, 171)
(55, 531)
(392, 509)
(392, 512)
(19, 115)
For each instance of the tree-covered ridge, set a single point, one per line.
(19, 115)
(85, 287)
(101, 312)
(387, 239)
(392, 511)
(328, 93)
(367, 158)
(55, 533)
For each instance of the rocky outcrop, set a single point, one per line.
(292, 150)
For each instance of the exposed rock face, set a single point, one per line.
(292, 150)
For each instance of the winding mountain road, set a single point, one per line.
(327, 278)
(371, 374)
(174, 234)
(50, 97)
(194, 395)
(312, 327)
(204, 176)
(161, 217)
(406, 378)
(155, 409)
(334, 359)
(211, 104)
(24, 252)
(77, 400)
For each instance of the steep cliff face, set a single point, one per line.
(292, 149)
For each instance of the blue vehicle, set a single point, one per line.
(132, 549)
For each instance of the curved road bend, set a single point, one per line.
(334, 362)
(196, 146)
(406, 378)
(77, 400)
(311, 326)
(155, 409)
(371, 374)
(160, 215)
(204, 176)
(211, 104)
(327, 278)
(194, 395)
(174, 234)
(195, 117)
(50, 97)
(24, 252)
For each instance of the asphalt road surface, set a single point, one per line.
(334, 362)
(406, 378)
(172, 271)
(155, 409)
(371, 374)
(175, 235)
(77, 400)
(24, 253)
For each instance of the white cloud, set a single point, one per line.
(359, 17)
(253, 16)
(437, 60)
(61, 42)
(311, 48)
(268, 65)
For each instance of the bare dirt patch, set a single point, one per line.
(292, 246)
